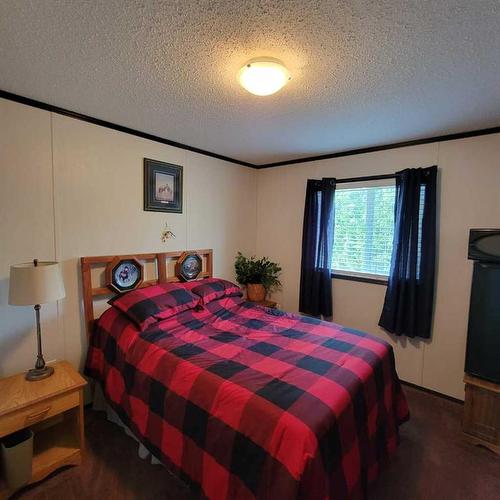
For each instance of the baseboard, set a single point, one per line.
(434, 393)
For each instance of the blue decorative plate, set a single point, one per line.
(125, 274)
(189, 266)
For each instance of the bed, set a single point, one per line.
(242, 401)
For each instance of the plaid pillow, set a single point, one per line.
(189, 285)
(215, 288)
(148, 305)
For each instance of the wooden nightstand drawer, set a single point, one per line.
(38, 412)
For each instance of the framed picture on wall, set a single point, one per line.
(162, 186)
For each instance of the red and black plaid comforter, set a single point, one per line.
(247, 402)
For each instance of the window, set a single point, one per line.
(364, 229)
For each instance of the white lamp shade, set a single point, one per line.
(31, 285)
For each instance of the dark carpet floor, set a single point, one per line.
(433, 462)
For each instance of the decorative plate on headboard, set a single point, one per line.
(189, 266)
(123, 275)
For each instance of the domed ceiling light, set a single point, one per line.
(263, 76)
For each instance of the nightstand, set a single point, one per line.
(267, 303)
(53, 409)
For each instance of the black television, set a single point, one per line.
(484, 245)
(483, 334)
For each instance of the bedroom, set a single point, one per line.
(90, 90)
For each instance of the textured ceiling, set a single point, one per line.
(364, 73)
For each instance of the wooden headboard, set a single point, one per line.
(161, 267)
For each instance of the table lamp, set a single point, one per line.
(35, 283)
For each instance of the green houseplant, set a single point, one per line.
(260, 276)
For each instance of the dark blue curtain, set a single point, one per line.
(317, 243)
(409, 299)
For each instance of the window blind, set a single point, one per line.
(364, 230)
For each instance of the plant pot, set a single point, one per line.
(256, 292)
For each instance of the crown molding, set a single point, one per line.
(120, 128)
(395, 145)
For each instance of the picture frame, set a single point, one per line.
(162, 186)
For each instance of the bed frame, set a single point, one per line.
(163, 264)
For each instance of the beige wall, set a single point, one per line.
(469, 197)
(26, 228)
(70, 188)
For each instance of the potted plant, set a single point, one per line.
(260, 276)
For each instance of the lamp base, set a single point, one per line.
(39, 373)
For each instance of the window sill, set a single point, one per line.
(361, 279)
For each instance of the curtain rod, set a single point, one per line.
(366, 178)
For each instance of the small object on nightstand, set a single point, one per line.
(52, 409)
(481, 422)
(267, 303)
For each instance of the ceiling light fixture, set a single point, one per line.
(263, 76)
